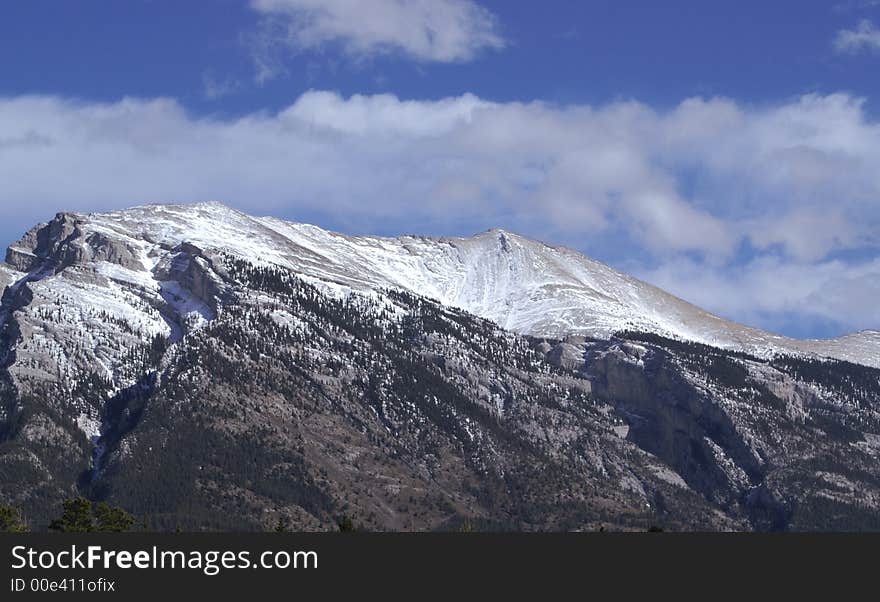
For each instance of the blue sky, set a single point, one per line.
(563, 51)
(729, 152)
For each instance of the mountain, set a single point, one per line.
(204, 367)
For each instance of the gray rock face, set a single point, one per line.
(45, 241)
(63, 243)
(193, 270)
(675, 420)
(749, 433)
(100, 247)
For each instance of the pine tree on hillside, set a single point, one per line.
(76, 518)
(112, 518)
(11, 520)
(345, 524)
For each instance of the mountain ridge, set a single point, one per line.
(523, 284)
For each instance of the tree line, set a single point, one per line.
(80, 515)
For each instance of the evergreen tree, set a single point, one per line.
(112, 518)
(11, 520)
(345, 524)
(76, 518)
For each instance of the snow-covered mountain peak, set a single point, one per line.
(524, 285)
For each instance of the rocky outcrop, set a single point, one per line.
(62, 243)
(751, 435)
(674, 420)
(190, 267)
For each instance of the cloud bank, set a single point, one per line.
(759, 213)
(443, 31)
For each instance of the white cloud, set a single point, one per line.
(797, 182)
(425, 30)
(865, 36)
(761, 291)
(382, 115)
